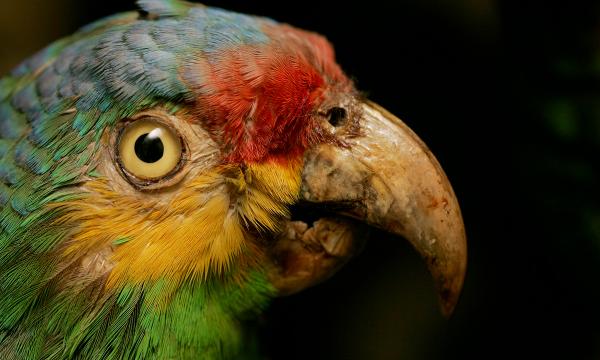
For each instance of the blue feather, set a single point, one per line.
(164, 7)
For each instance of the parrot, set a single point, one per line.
(166, 173)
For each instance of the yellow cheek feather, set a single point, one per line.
(269, 189)
(200, 232)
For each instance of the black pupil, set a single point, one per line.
(149, 149)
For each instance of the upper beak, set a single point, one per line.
(389, 179)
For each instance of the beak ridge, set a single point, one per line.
(390, 179)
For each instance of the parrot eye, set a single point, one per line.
(149, 150)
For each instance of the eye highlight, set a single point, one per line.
(149, 149)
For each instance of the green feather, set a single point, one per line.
(54, 109)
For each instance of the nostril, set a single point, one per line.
(337, 116)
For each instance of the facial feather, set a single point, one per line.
(261, 99)
(198, 233)
(111, 271)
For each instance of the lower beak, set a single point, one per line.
(387, 177)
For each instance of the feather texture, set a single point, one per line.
(87, 272)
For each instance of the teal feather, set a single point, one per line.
(15, 128)
(29, 157)
(54, 108)
(164, 8)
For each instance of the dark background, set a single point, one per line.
(507, 95)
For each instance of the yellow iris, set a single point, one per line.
(149, 150)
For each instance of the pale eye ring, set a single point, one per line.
(148, 150)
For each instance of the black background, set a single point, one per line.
(507, 96)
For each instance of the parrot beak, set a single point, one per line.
(387, 178)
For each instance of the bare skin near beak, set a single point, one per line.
(387, 178)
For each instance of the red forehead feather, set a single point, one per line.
(259, 100)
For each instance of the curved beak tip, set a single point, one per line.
(449, 292)
(396, 184)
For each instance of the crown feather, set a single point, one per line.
(165, 8)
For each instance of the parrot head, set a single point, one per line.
(165, 173)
